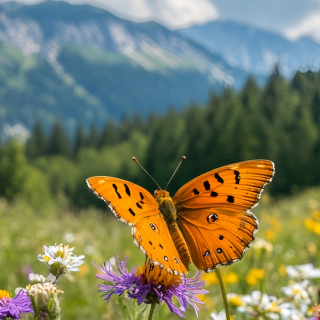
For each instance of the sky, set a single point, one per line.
(291, 18)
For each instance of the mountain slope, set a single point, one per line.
(104, 66)
(253, 49)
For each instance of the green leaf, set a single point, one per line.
(124, 310)
(142, 313)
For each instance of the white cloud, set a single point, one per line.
(310, 26)
(172, 13)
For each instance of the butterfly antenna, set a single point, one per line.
(183, 158)
(135, 159)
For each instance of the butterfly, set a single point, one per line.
(207, 222)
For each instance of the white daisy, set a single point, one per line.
(303, 272)
(298, 291)
(60, 259)
(218, 316)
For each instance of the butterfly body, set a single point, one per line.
(208, 221)
(169, 213)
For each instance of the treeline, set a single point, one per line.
(280, 122)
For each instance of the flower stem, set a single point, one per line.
(223, 292)
(153, 306)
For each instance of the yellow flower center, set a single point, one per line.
(296, 291)
(46, 258)
(236, 301)
(4, 294)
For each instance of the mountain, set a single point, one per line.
(84, 64)
(253, 49)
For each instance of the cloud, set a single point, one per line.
(172, 13)
(310, 26)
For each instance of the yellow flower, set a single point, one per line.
(228, 278)
(316, 228)
(269, 234)
(316, 214)
(309, 223)
(231, 278)
(254, 276)
(4, 294)
(283, 270)
(312, 248)
(210, 278)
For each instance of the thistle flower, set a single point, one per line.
(12, 307)
(60, 259)
(150, 284)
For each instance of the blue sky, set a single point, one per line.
(291, 18)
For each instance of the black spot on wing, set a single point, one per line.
(206, 253)
(207, 185)
(150, 243)
(160, 245)
(230, 199)
(127, 190)
(138, 205)
(221, 237)
(195, 191)
(237, 174)
(141, 196)
(131, 211)
(219, 178)
(219, 250)
(212, 218)
(213, 194)
(116, 190)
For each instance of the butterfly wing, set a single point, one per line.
(135, 206)
(214, 211)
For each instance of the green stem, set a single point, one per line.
(153, 306)
(223, 292)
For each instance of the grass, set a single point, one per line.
(284, 223)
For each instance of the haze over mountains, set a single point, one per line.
(83, 64)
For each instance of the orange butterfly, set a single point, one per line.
(207, 222)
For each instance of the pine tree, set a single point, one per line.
(37, 143)
(92, 140)
(79, 139)
(110, 135)
(58, 142)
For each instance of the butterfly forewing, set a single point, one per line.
(214, 213)
(128, 201)
(134, 205)
(239, 184)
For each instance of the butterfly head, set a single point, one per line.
(161, 194)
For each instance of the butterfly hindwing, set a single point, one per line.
(214, 211)
(217, 236)
(153, 235)
(135, 206)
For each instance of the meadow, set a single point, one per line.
(290, 225)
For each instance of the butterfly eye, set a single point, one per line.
(212, 218)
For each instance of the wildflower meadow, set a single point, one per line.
(55, 260)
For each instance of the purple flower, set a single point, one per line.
(150, 284)
(12, 307)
